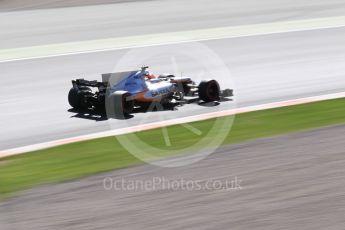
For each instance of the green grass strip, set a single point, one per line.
(86, 158)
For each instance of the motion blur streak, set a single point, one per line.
(82, 47)
(41, 27)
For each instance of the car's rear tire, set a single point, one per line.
(209, 91)
(76, 97)
(123, 104)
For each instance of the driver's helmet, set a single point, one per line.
(149, 75)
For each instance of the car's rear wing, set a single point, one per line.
(83, 82)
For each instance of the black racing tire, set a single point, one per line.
(209, 91)
(76, 98)
(123, 104)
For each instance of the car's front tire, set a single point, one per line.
(209, 91)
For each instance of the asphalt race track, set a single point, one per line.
(16, 5)
(38, 27)
(263, 68)
(290, 182)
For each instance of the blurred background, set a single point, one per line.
(279, 165)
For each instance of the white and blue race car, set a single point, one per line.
(124, 91)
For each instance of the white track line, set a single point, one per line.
(138, 128)
(92, 46)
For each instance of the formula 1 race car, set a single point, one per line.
(122, 92)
